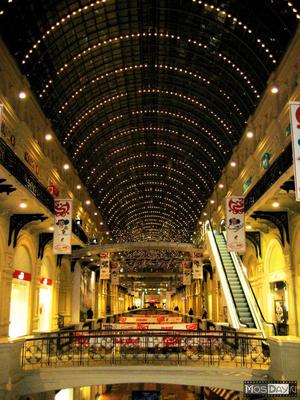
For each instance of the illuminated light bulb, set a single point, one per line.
(212, 201)
(107, 233)
(51, 228)
(95, 213)
(205, 213)
(23, 205)
(88, 202)
(274, 89)
(22, 95)
(275, 204)
(66, 166)
(250, 134)
(233, 164)
(221, 185)
(248, 227)
(78, 187)
(101, 223)
(48, 137)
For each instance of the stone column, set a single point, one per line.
(76, 294)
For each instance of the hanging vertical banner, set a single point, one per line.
(197, 267)
(114, 271)
(104, 266)
(186, 267)
(62, 226)
(295, 132)
(235, 224)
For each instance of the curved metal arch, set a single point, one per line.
(156, 197)
(186, 109)
(151, 198)
(194, 50)
(192, 139)
(179, 76)
(87, 117)
(226, 73)
(180, 122)
(166, 203)
(118, 182)
(181, 157)
(114, 194)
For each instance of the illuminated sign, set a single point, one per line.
(22, 276)
(46, 281)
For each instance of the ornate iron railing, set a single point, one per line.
(92, 348)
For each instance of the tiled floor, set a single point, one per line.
(168, 392)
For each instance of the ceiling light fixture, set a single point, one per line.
(274, 89)
(221, 185)
(78, 187)
(275, 204)
(88, 202)
(48, 137)
(22, 95)
(250, 134)
(66, 166)
(23, 204)
(233, 164)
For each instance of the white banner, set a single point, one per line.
(235, 224)
(62, 226)
(295, 132)
(104, 266)
(159, 319)
(114, 270)
(197, 268)
(186, 267)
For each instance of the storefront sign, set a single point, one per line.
(235, 226)
(295, 130)
(46, 281)
(62, 226)
(114, 270)
(186, 269)
(21, 275)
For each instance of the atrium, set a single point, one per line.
(149, 181)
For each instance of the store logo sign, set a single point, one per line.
(46, 281)
(21, 275)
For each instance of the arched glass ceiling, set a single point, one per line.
(149, 97)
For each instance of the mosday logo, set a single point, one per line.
(270, 389)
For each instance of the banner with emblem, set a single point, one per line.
(295, 132)
(186, 269)
(104, 266)
(62, 235)
(235, 224)
(197, 267)
(114, 273)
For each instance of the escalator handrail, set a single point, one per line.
(239, 318)
(256, 301)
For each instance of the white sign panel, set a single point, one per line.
(114, 271)
(235, 224)
(186, 267)
(295, 131)
(197, 269)
(62, 226)
(104, 266)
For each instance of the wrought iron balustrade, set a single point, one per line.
(92, 348)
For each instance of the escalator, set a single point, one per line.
(243, 308)
(241, 304)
